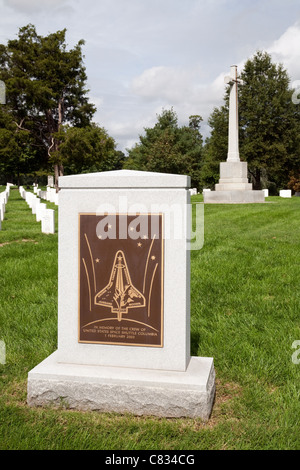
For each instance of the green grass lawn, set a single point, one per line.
(245, 312)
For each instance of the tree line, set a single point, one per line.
(46, 125)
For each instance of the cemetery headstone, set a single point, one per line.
(50, 181)
(41, 208)
(48, 221)
(124, 300)
(266, 192)
(285, 193)
(33, 204)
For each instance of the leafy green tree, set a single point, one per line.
(168, 148)
(88, 149)
(17, 157)
(45, 85)
(268, 126)
(216, 147)
(268, 120)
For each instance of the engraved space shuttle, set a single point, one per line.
(120, 294)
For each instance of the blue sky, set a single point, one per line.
(145, 55)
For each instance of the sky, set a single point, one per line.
(143, 56)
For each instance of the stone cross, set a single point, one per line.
(233, 131)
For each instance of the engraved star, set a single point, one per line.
(97, 260)
(153, 257)
(139, 244)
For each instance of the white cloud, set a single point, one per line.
(286, 50)
(167, 83)
(33, 5)
(180, 88)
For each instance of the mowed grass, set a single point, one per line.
(245, 312)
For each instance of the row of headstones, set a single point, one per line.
(3, 201)
(43, 215)
(50, 195)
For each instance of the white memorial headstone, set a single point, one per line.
(33, 204)
(285, 193)
(50, 181)
(41, 208)
(124, 300)
(48, 221)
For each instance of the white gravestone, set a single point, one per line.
(233, 186)
(50, 181)
(3, 202)
(124, 300)
(41, 208)
(193, 191)
(48, 221)
(33, 204)
(285, 193)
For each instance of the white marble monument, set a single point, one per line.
(285, 193)
(48, 221)
(124, 300)
(233, 186)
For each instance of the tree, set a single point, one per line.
(16, 154)
(168, 148)
(268, 120)
(88, 149)
(268, 125)
(45, 86)
(216, 147)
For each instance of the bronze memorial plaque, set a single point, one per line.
(121, 279)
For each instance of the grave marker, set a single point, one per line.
(48, 221)
(285, 193)
(124, 300)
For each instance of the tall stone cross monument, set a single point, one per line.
(233, 186)
(233, 130)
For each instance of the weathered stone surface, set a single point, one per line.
(125, 390)
(234, 197)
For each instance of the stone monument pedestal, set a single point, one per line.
(161, 393)
(233, 186)
(124, 300)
